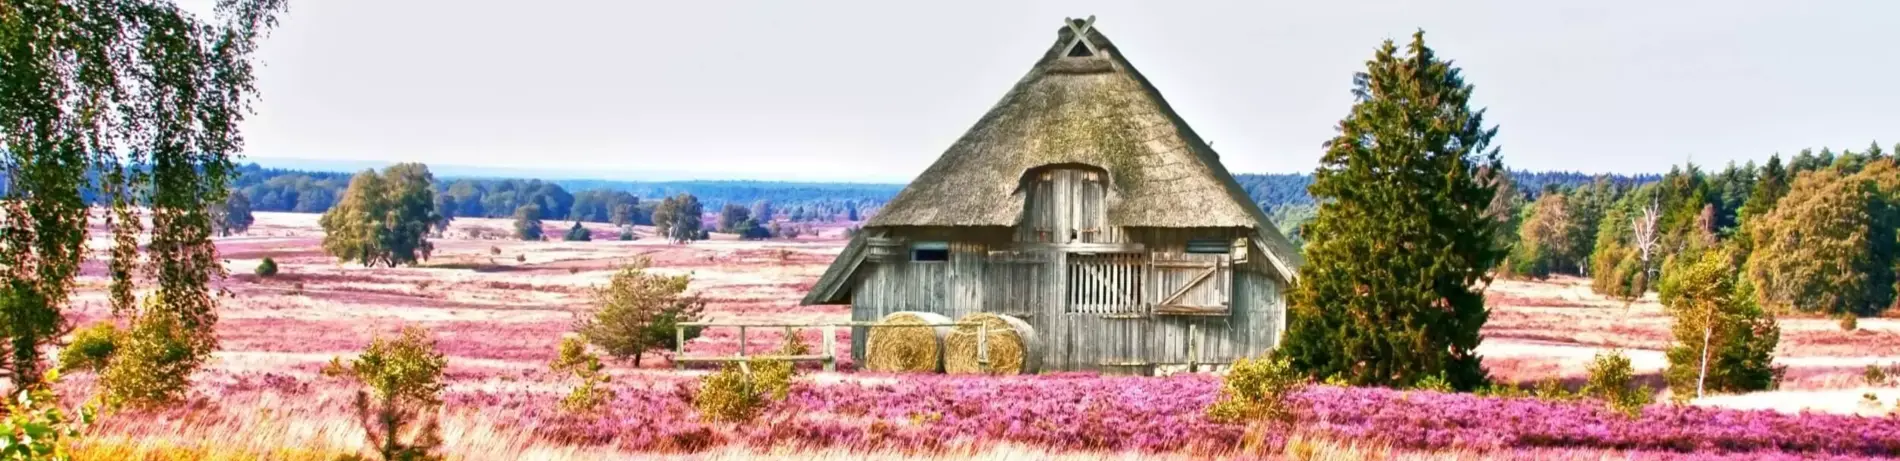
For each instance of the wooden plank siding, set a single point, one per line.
(1079, 302)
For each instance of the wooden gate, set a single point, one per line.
(1193, 284)
(1106, 284)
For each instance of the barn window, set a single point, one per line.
(1106, 284)
(1210, 246)
(930, 251)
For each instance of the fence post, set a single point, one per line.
(742, 340)
(831, 347)
(1194, 349)
(983, 347)
(679, 346)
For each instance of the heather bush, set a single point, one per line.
(574, 359)
(1257, 390)
(36, 428)
(151, 366)
(1874, 376)
(91, 348)
(637, 312)
(1613, 380)
(404, 380)
(1849, 321)
(266, 268)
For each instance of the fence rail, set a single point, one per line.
(830, 330)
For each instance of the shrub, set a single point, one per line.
(152, 364)
(739, 391)
(92, 347)
(1552, 390)
(1849, 321)
(578, 233)
(1435, 383)
(1503, 391)
(626, 235)
(637, 311)
(1257, 390)
(35, 428)
(1612, 380)
(521, 258)
(267, 268)
(397, 412)
(574, 359)
(494, 250)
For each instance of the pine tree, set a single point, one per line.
(1402, 242)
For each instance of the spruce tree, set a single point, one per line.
(1402, 243)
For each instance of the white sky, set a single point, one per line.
(876, 90)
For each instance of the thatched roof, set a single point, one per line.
(1094, 110)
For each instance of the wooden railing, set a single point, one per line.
(829, 355)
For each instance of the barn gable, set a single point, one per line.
(1082, 103)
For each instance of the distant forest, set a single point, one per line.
(1282, 195)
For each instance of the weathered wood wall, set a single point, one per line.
(986, 272)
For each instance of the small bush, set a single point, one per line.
(267, 268)
(1552, 390)
(574, 359)
(494, 250)
(1612, 380)
(521, 258)
(1849, 321)
(92, 348)
(398, 411)
(1257, 390)
(1434, 383)
(627, 235)
(739, 391)
(578, 233)
(152, 364)
(1503, 391)
(1874, 376)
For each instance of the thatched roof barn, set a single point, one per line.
(1082, 160)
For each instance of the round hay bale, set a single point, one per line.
(906, 349)
(1014, 348)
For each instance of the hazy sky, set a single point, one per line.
(876, 90)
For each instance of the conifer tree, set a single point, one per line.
(1402, 244)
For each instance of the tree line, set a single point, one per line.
(282, 190)
(1414, 216)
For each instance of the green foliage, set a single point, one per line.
(383, 219)
(1503, 391)
(1402, 243)
(1257, 390)
(528, 222)
(1545, 240)
(1713, 307)
(35, 428)
(626, 235)
(152, 364)
(91, 348)
(234, 215)
(1849, 321)
(121, 102)
(1613, 380)
(1291, 218)
(574, 359)
(578, 233)
(678, 218)
(1434, 383)
(266, 268)
(637, 311)
(739, 391)
(1828, 245)
(398, 411)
